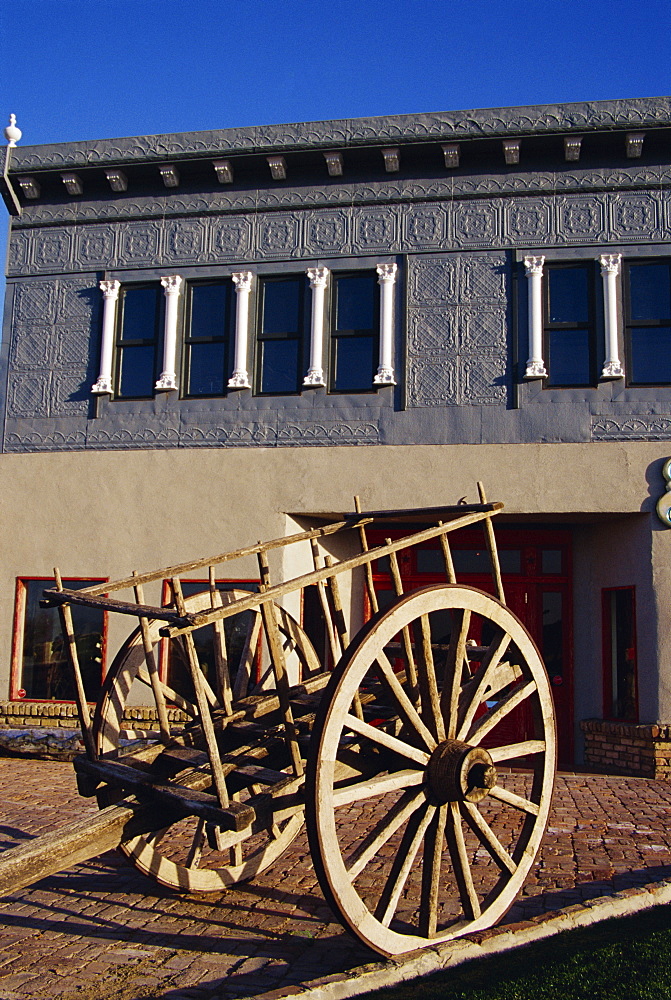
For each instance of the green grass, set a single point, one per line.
(628, 958)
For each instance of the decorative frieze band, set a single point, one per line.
(478, 223)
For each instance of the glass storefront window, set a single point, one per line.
(44, 672)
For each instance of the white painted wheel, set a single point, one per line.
(423, 818)
(181, 856)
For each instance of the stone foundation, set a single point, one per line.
(642, 751)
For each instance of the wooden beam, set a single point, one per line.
(77, 842)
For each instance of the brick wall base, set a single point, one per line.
(627, 748)
(63, 715)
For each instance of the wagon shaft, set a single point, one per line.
(78, 842)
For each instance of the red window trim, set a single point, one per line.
(17, 633)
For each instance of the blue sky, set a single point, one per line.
(88, 69)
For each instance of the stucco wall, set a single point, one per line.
(105, 514)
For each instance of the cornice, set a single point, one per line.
(451, 188)
(441, 126)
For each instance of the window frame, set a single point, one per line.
(227, 338)
(629, 323)
(590, 326)
(18, 636)
(300, 338)
(120, 345)
(334, 335)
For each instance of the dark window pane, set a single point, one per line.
(569, 301)
(139, 313)
(279, 366)
(551, 561)
(650, 354)
(354, 364)
(209, 304)
(281, 306)
(206, 369)
(136, 374)
(430, 561)
(355, 302)
(622, 666)
(471, 561)
(569, 357)
(650, 292)
(553, 633)
(45, 671)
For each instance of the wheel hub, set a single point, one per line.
(459, 772)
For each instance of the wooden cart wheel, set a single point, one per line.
(425, 816)
(181, 856)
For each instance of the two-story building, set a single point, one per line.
(212, 337)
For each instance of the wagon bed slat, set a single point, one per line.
(236, 816)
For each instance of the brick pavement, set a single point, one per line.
(103, 930)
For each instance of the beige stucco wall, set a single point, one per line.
(107, 513)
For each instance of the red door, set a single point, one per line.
(536, 569)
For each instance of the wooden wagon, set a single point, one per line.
(424, 815)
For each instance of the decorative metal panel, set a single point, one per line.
(52, 350)
(307, 232)
(457, 347)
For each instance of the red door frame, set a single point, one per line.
(524, 589)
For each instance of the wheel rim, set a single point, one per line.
(444, 840)
(181, 856)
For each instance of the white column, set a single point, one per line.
(318, 277)
(534, 270)
(243, 286)
(610, 268)
(110, 290)
(172, 285)
(387, 277)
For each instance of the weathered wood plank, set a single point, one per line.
(77, 842)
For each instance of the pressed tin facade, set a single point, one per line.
(473, 247)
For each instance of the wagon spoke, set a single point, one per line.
(487, 837)
(381, 785)
(197, 843)
(462, 869)
(169, 694)
(406, 709)
(513, 750)
(428, 686)
(516, 801)
(454, 666)
(403, 862)
(433, 856)
(383, 830)
(480, 729)
(385, 739)
(491, 660)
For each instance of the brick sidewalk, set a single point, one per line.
(104, 931)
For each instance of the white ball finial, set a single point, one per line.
(12, 133)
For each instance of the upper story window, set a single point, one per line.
(648, 322)
(355, 334)
(209, 333)
(140, 309)
(281, 333)
(569, 327)
(314, 329)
